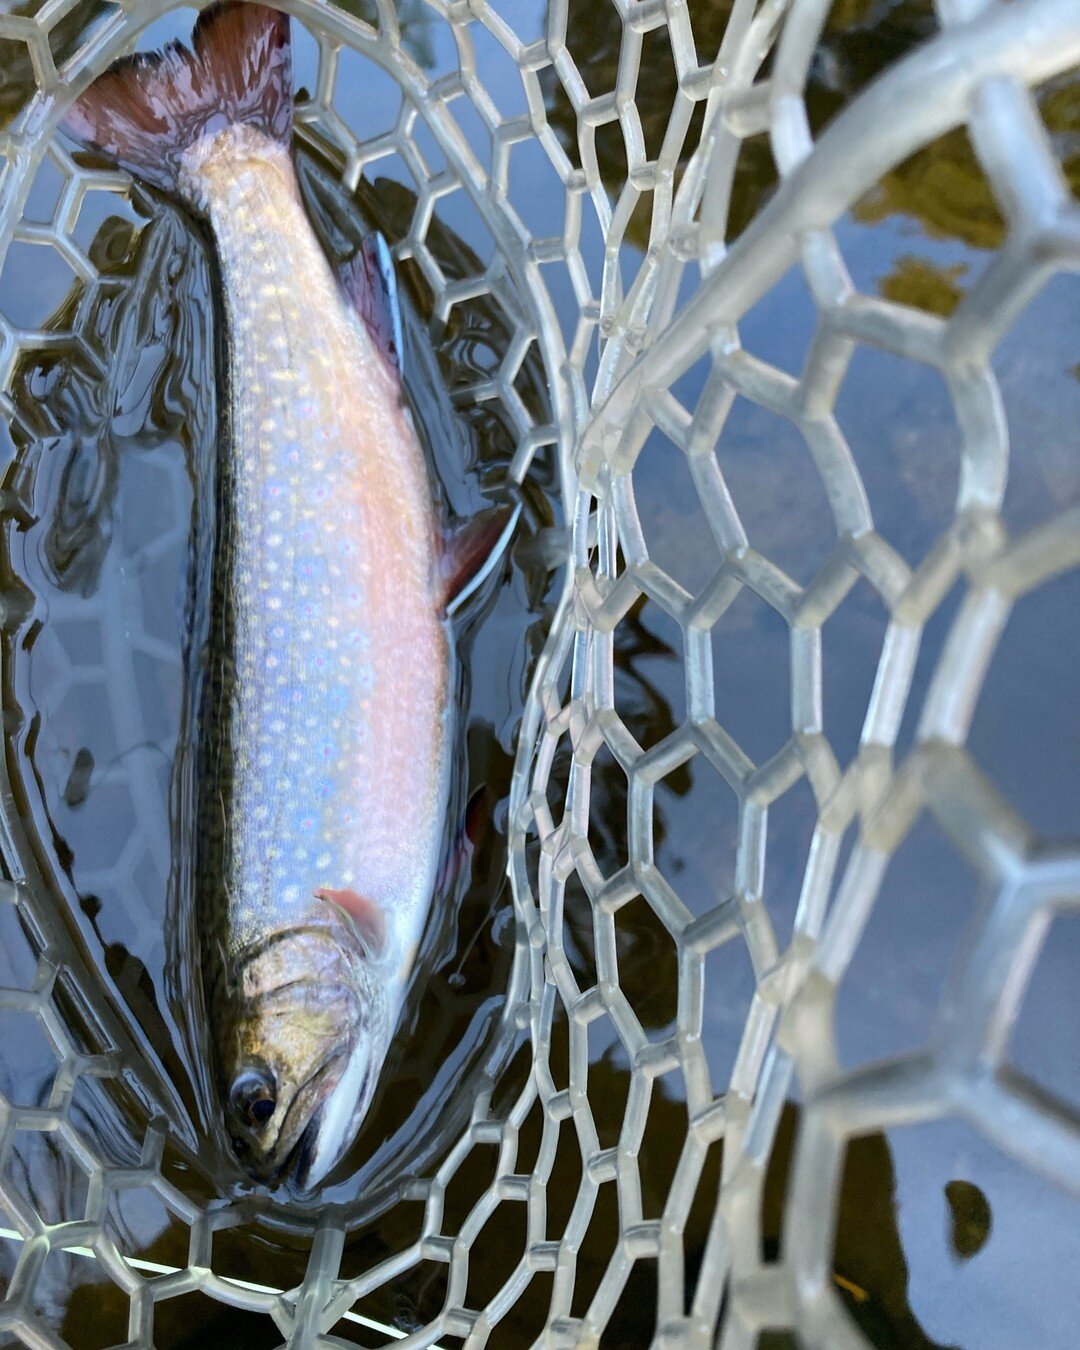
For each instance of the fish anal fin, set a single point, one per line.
(366, 914)
(471, 551)
(370, 283)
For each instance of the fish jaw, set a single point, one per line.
(335, 1123)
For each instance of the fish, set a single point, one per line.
(327, 730)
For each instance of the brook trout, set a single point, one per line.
(328, 748)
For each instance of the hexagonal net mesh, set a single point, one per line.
(666, 1125)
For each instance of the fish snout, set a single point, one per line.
(347, 1097)
(268, 1114)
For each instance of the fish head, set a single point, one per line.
(301, 1060)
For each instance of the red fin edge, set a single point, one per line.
(366, 914)
(466, 845)
(472, 550)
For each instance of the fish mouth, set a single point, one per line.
(302, 1157)
(294, 1170)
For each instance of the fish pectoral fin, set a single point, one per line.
(370, 283)
(471, 552)
(366, 914)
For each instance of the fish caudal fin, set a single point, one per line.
(145, 111)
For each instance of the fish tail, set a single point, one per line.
(147, 110)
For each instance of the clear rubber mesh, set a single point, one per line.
(617, 386)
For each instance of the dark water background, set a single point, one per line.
(942, 1240)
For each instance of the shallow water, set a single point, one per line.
(935, 1240)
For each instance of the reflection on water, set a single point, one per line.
(115, 437)
(414, 20)
(107, 423)
(66, 35)
(869, 1266)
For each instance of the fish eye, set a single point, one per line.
(254, 1096)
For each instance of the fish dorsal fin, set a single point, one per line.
(366, 914)
(471, 551)
(370, 283)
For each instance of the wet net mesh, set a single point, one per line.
(623, 156)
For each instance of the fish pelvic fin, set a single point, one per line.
(370, 284)
(146, 110)
(471, 552)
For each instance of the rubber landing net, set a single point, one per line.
(636, 302)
